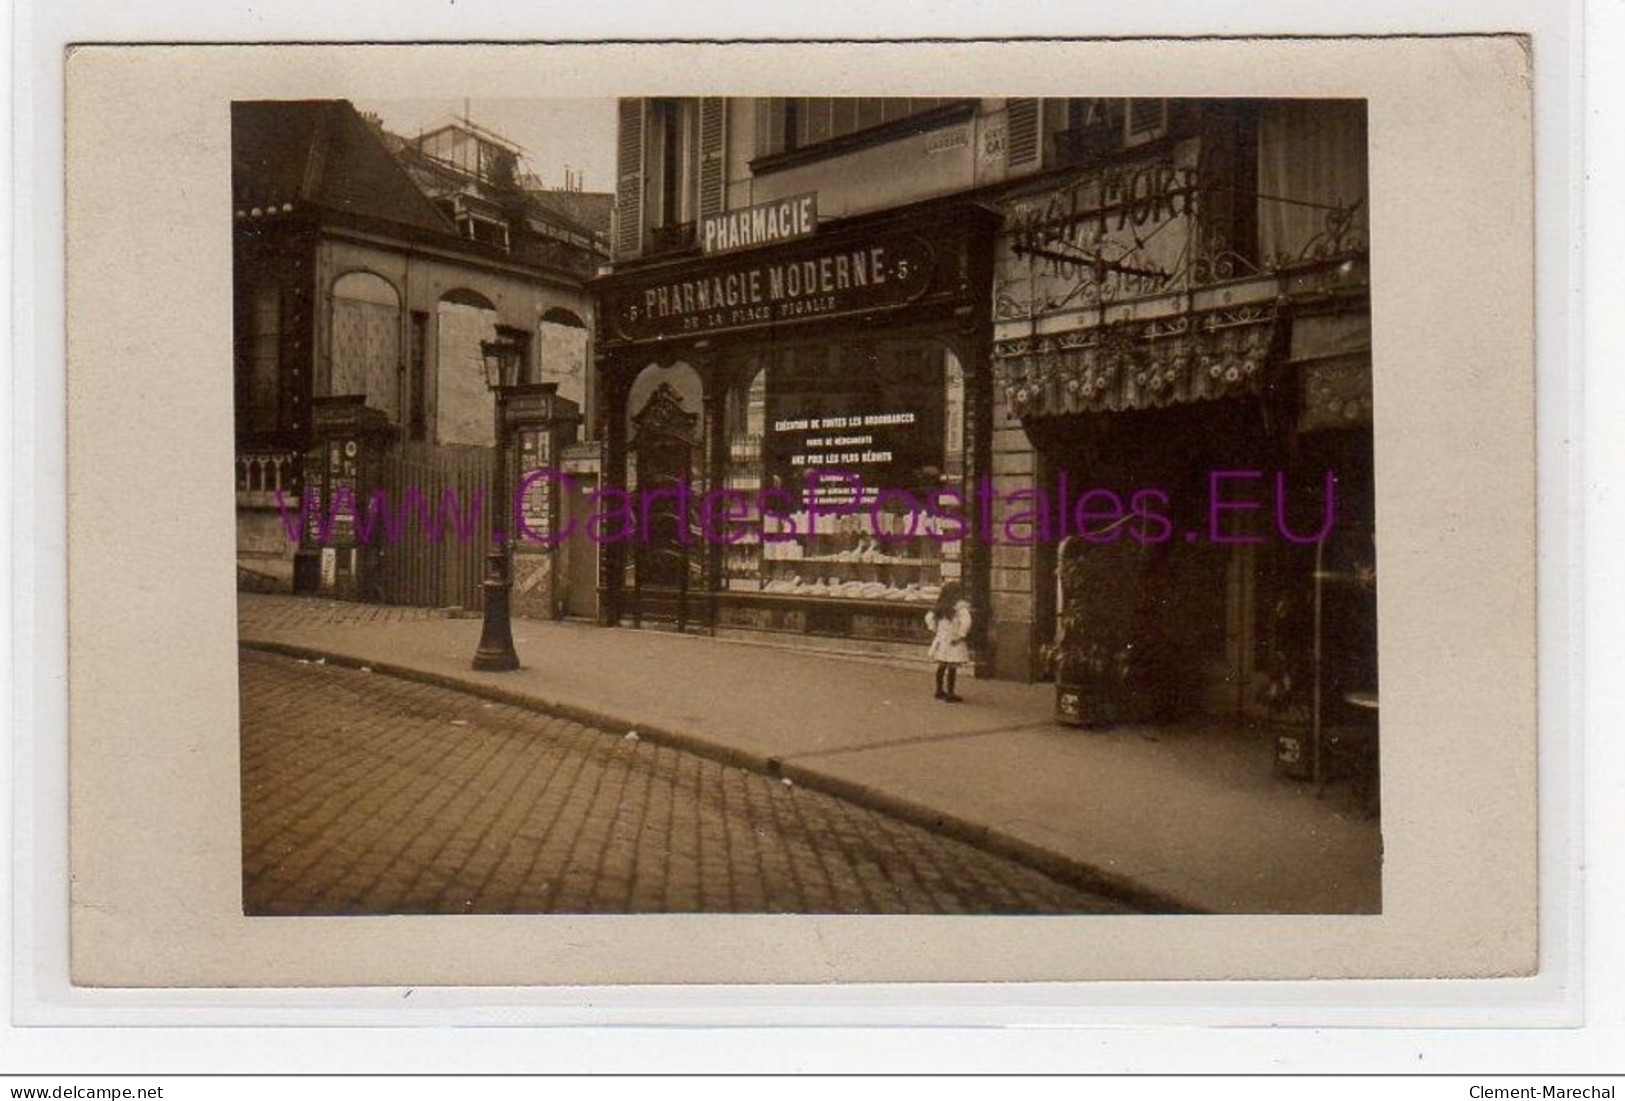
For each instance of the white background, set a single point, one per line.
(35, 484)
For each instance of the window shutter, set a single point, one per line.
(629, 179)
(1022, 147)
(713, 163)
(1146, 120)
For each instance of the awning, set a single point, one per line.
(1332, 355)
(1138, 365)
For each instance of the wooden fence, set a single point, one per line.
(435, 556)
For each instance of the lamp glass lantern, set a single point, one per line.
(498, 361)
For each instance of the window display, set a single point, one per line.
(839, 451)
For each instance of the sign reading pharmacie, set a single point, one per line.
(805, 281)
(762, 224)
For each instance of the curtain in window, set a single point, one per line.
(366, 348)
(1311, 152)
(562, 356)
(462, 402)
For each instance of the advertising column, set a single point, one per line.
(541, 424)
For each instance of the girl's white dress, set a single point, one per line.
(950, 632)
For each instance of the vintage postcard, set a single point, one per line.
(825, 513)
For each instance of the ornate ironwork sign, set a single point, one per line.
(1140, 230)
(1113, 233)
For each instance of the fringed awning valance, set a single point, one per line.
(1137, 365)
(1336, 394)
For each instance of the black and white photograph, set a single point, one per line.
(802, 513)
(806, 505)
(932, 539)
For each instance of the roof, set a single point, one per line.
(535, 207)
(467, 126)
(321, 153)
(591, 209)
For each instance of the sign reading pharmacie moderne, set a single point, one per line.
(804, 281)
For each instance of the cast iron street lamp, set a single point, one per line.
(496, 653)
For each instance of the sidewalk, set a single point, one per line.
(1188, 817)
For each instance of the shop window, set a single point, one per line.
(840, 450)
(879, 412)
(751, 413)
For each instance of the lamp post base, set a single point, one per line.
(496, 653)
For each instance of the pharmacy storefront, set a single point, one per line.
(789, 426)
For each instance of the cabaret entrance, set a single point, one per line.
(1186, 581)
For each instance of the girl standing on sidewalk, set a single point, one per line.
(949, 622)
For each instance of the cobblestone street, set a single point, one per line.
(269, 615)
(364, 794)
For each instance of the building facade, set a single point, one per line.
(373, 277)
(1103, 363)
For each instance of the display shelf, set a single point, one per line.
(914, 563)
(869, 557)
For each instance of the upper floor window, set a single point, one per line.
(673, 180)
(477, 220)
(482, 156)
(1056, 132)
(787, 124)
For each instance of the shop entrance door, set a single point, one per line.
(665, 550)
(581, 556)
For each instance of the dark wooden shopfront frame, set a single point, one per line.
(951, 306)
